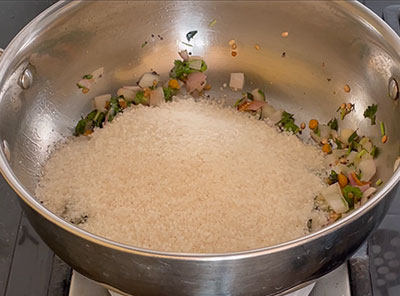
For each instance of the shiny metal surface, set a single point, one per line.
(336, 283)
(330, 44)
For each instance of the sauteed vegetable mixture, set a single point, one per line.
(349, 155)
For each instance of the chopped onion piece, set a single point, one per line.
(345, 134)
(367, 193)
(368, 146)
(147, 80)
(352, 156)
(100, 102)
(97, 74)
(134, 88)
(127, 93)
(333, 196)
(184, 55)
(364, 188)
(339, 153)
(267, 111)
(156, 96)
(192, 58)
(237, 81)
(367, 168)
(351, 179)
(85, 83)
(330, 160)
(334, 134)
(255, 105)
(276, 116)
(258, 95)
(342, 168)
(325, 131)
(195, 64)
(315, 137)
(196, 81)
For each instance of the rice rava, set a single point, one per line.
(187, 177)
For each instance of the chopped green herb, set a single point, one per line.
(85, 123)
(91, 115)
(144, 44)
(370, 113)
(190, 35)
(333, 124)
(181, 69)
(333, 177)
(338, 144)
(317, 131)
(203, 66)
(168, 93)
(99, 119)
(115, 105)
(139, 98)
(212, 24)
(343, 114)
(87, 76)
(187, 44)
(352, 195)
(383, 131)
(361, 153)
(349, 150)
(374, 152)
(379, 182)
(245, 97)
(249, 96)
(80, 127)
(287, 122)
(353, 137)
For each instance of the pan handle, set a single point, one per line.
(391, 15)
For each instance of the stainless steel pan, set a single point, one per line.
(330, 44)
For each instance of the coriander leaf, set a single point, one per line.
(115, 105)
(370, 113)
(87, 76)
(287, 122)
(180, 68)
(333, 177)
(352, 195)
(139, 98)
(91, 115)
(80, 127)
(333, 124)
(168, 93)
